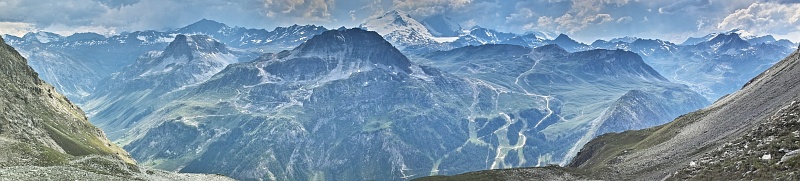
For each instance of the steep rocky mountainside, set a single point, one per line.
(751, 134)
(770, 150)
(36, 117)
(658, 152)
(44, 136)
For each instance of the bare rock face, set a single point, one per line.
(36, 117)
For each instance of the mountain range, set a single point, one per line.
(76, 63)
(314, 111)
(392, 99)
(413, 37)
(715, 66)
(750, 134)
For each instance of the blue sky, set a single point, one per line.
(584, 20)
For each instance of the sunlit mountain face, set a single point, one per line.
(373, 90)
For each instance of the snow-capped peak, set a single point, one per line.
(626, 39)
(42, 37)
(746, 35)
(743, 34)
(394, 21)
(399, 29)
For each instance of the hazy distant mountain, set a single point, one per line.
(718, 65)
(442, 26)
(750, 134)
(281, 38)
(482, 36)
(74, 64)
(569, 44)
(186, 61)
(743, 34)
(413, 37)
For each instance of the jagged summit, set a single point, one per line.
(729, 37)
(626, 39)
(563, 38)
(185, 61)
(186, 45)
(42, 37)
(551, 48)
(741, 34)
(568, 43)
(355, 44)
(490, 36)
(296, 27)
(723, 42)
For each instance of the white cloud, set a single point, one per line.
(764, 18)
(701, 24)
(545, 21)
(469, 23)
(523, 14)
(683, 5)
(352, 15)
(316, 10)
(43, 14)
(429, 7)
(624, 20)
(598, 19)
(15, 28)
(581, 15)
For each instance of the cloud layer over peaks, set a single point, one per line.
(584, 20)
